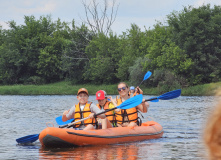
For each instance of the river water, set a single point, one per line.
(183, 121)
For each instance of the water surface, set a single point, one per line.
(183, 120)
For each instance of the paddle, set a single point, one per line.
(166, 96)
(28, 139)
(146, 76)
(60, 122)
(129, 103)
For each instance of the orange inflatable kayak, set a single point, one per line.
(67, 137)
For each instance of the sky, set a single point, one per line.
(143, 13)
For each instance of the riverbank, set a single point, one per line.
(65, 88)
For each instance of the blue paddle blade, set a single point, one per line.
(60, 122)
(147, 75)
(28, 139)
(170, 95)
(132, 102)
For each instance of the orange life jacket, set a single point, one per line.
(131, 114)
(110, 115)
(83, 114)
(134, 94)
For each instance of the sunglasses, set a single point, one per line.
(123, 88)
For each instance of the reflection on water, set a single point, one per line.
(183, 121)
(126, 151)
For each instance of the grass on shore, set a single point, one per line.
(65, 88)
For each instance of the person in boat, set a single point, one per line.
(133, 92)
(212, 132)
(127, 117)
(82, 110)
(105, 104)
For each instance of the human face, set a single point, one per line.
(82, 98)
(132, 91)
(102, 102)
(122, 89)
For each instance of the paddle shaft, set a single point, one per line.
(150, 99)
(71, 124)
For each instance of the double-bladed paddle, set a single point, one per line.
(130, 103)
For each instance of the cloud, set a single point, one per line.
(4, 25)
(124, 23)
(35, 7)
(204, 2)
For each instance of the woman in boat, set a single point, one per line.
(104, 104)
(82, 110)
(212, 132)
(127, 117)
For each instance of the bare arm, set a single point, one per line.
(114, 103)
(143, 107)
(68, 114)
(138, 90)
(96, 110)
(64, 117)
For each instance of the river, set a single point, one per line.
(183, 121)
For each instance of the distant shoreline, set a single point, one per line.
(65, 88)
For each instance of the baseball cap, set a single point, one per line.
(100, 95)
(82, 90)
(132, 88)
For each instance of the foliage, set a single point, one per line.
(102, 67)
(136, 72)
(74, 59)
(129, 47)
(163, 54)
(185, 52)
(197, 31)
(27, 50)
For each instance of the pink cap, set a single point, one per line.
(100, 95)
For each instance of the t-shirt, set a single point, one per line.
(94, 109)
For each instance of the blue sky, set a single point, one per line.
(141, 12)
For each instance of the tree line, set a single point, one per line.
(185, 52)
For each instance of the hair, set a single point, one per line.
(124, 84)
(212, 133)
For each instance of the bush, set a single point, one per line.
(35, 80)
(166, 80)
(136, 71)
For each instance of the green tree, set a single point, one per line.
(27, 49)
(163, 54)
(197, 31)
(75, 59)
(129, 48)
(102, 67)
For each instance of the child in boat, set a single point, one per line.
(212, 131)
(104, 104)
(82, 110)
(127, 117)
(133, 92)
